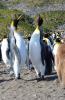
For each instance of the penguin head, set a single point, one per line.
(46, 35)
(58, 39)
(39, 21)
(14, 22)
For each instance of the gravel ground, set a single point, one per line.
(32, 11)
(27, 88)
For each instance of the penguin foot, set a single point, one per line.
(42, 77)
(38, 79)
(18, 77)
(39, 74)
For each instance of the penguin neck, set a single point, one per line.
(37, 31)
(39, 28)
(13, 30)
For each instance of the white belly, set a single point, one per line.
(22, 47)
(34, 50)
(4, 48)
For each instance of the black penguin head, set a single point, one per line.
(15, 21)
(58, 39)
(39, 20)
(46, 35)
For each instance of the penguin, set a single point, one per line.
(56, 46)
(35, 48)
(48, 54)
(17, 49)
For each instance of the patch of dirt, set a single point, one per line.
(27, 88)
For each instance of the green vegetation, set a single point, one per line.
(5, 18)
(15, 2)
(51, 20)
(2, 5)
(25, 25)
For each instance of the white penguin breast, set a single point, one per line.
(34, 48)
(21, 46)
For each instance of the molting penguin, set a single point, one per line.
(35, 49)
(55, 49)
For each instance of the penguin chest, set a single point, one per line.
(35, 50)
(21, 46)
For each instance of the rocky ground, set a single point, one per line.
(34, 10)
(37, 10)
(27, 88)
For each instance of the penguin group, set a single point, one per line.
(41, 52)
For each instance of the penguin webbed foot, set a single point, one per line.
(41, 77)
(18, 77)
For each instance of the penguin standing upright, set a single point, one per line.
(49, 58)
(17, 49)
(56, 46)
(35, 49)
